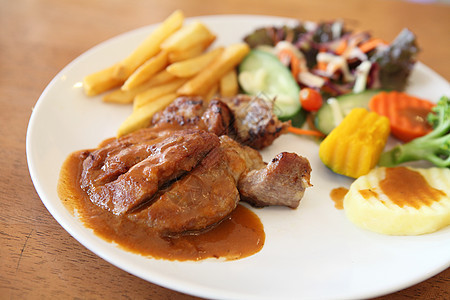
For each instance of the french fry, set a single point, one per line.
(190, 67)
(156, 92)
(189, 35)
(146, 71)
(125, 97)
(150, 46)
(162, 77)
(203, 81)
(142, 117)
(195, 50)
(229, 84)
(101, 81)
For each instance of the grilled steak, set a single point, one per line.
(189, 170)
(249, 120)
(123, 174)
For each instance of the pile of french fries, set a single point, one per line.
(174, 60)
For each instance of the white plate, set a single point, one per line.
(310, 252)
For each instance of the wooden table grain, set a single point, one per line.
(38, 258)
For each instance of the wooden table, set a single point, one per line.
(38, 258)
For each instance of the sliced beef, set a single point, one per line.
(127, 173)
(201, 199)
(282, 182)
(205, 195)
(115, 156)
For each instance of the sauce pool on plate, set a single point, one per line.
(337, 195)
(239, 235)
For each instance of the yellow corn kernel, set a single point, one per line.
(354, 147)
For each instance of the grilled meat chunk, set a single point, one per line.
(255, 123)
(282, 182)
(218, 118)
(193, 112)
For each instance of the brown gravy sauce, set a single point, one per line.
(404, 186)
(368, 193)
(337, 195)
(238, 236)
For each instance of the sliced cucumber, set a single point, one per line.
(261, 73)
(333, 111)
(298, 119)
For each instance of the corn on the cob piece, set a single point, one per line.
(354, 147)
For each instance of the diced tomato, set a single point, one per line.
(310, 99)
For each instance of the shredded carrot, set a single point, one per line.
(287, 55)
(295, 67)
(321, 65)
(340, 49)
(407, 114)
(301, 131)
(371, 44)
(310, 122)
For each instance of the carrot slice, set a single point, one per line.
(371, 44)
(407, 114)
(301, 131)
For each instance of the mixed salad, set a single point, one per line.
(329, 57)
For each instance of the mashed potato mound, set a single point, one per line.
(400, 200)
